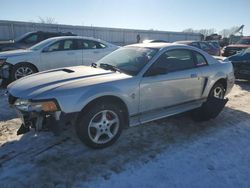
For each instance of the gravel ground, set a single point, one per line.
(171, 152)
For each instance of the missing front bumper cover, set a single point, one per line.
(38, 122)
(54, 122)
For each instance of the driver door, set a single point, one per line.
(172, 80)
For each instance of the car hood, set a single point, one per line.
(238, 57)
(14, 53)
(239, 45)
(64, 79)
(6, 42)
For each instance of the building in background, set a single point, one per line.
(9, 30)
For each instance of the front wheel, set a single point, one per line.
(22, 70)
(100, 126)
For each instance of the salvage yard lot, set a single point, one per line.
(172, 152)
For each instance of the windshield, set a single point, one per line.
(215, 44)
(246, 51)
(21, 37)
(129, 60)
(244, 41)
(41, 45)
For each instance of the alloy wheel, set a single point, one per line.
(218, 92)
(23, 71)
(103, 127)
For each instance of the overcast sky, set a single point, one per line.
(169, 15)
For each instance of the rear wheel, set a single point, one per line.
(100, 126)
(213, 106)
(218, 91)
(22, 70)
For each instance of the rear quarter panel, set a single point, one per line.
(215, 71)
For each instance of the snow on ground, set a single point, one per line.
(172, 152)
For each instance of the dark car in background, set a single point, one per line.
(216, 45)
(232, 49)
(29, 39)
(241, 64)
(203, 45)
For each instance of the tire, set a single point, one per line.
(217, 91)
(213, 106)
(22, 69)
(101, 125)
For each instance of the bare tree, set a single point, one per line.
(205, 32)
(228, 32)
(47, 20)
(189, 30)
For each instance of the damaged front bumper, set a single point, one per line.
(39, 121)
(43, 115)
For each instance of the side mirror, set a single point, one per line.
(154, 71)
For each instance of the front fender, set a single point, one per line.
(75, 100)
(130, 100)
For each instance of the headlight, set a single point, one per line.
(2, 61)
(28, 106)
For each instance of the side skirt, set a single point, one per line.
(160, 113)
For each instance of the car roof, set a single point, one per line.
(157, 45)
(248, 37)
(185, 42)
(74, 37)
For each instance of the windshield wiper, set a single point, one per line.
(110, 67)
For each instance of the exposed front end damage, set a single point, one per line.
(40, 115)
(39, 122)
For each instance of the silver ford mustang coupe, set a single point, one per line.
(132, 85)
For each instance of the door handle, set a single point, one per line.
(193, 75)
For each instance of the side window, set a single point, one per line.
(33, 38)
(195, 44)
(200, 60)
(89, 44)
(204, 46)
(54, 47)
(175, 60)
(68, 45)
(101, 45)
(78, 44)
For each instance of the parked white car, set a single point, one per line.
(53, 53)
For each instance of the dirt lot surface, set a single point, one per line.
(172, 152)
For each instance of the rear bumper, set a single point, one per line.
(242, 70)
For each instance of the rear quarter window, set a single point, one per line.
(200, 59)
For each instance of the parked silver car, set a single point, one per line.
(132, 85)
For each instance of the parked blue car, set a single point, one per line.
(241, 64)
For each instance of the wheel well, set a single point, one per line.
(113, 100)
(222, 81)
(30, 64)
